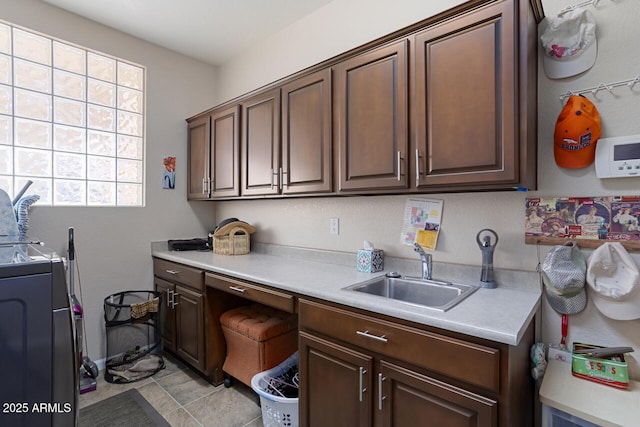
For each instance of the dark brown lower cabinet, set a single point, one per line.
(406, 397)
(343, 387)
(168, 319)
(361, 370)
(335, 384)
(183, 322)
(183, 313)
(190, 343)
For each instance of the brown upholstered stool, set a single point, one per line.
(258, 338)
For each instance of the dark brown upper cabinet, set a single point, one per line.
(371, 119)
(448, 104)
(306, 135)
(260, 150)
(225, 146)
(214, 145)
(294, 158)
(471, 101)
(198, 149)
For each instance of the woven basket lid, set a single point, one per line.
(225, 227)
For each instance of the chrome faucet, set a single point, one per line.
(426, 261)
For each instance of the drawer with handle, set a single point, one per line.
(455, 358)
(253, 292)
(174, 272)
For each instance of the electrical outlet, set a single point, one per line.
(334, 226)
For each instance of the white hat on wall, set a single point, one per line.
(569, 43)
(614, 282)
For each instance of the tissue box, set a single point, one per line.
(370, 261)
(611, 371)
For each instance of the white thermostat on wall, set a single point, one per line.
(618, 157)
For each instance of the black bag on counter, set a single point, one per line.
(189, 245)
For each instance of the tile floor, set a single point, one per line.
(184, 399)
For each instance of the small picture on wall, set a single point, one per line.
(625, 219)
(169, 173)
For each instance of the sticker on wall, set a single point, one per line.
(169, 174)
(625, 213)
(422, 219)
(590, 218)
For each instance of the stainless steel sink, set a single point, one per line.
(433, 294)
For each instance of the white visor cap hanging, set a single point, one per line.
(569, 43)
(614, 282)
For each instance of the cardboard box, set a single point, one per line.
(370, 261)
(611, 370)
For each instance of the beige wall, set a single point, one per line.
(113, 244)
(331, 30)
(344, 24)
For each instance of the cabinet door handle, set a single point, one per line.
(417, 167)
(273, 173)
(237, 289)
(204, 185)
(400, 159)
(282, 174)
(210, 184)
(362, 388)
(174, 272)
(173, 301)
(382, 338)
(381, 395)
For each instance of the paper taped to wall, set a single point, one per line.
(422, 219)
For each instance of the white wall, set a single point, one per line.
(344, 24)
(113, 244)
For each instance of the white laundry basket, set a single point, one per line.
(276, 411)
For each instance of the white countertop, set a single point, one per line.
(596, 403)
(502, 314)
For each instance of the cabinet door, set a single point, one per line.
(336, 384)
(466, 100)
(168, 316)
(225, 152)
(412, 399)
(261, 144)
(306, 134)
(189, 325)
(199, 159)
(371, 119)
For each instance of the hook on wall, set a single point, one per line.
(575, 6)
(630, 83)
(566, 95)
(600, 87)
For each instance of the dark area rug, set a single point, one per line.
(126, 409)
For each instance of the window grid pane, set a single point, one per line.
(71, 120)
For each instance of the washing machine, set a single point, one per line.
(38, 349)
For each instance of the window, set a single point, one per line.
(72, 121)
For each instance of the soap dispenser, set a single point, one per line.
(483, 238)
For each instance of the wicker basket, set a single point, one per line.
(233, 243)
